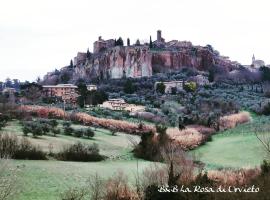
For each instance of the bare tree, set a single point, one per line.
(263, 135)
(74, 194)
(96, 187)
(180, 166)
(8, 180)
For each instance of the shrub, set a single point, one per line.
(148, 147)
(56, 131)
(67, 129)
(80, 152)
(190, 87)
(160, 88)
(265, 167)
(89, 133)
(78, 133)
(27, 151)
(13, 147)
(35, 127)
(231, 121)
(190, 137)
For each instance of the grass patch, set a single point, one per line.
(234, 148)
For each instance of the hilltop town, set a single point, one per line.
(111, 59)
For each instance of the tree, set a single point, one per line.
(211, 75)
(150, 43)
(88, 54)
(190, 87)
(82, 91)
(65, 77)
(8, 180)
(119, 42)
(137, 42)
(128, 42)
(96, 97)
(162, 135)
(160, 88)
(265, 73)
(71, 64)
(8, 83)
(89, 133)
(31, 91)
(129, 88)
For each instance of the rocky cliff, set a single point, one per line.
(139, 60)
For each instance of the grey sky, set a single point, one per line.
(37, 36)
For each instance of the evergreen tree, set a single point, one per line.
(128, 42)
(88, 54)
(71, 64)
(211, 75)
(138, 42)
(160, 88)
(119, 42)
(129, 88)
(150, 43)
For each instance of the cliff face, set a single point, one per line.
(199, 58)
(117, 62)
(139, 61)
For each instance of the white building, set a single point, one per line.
(91, 87)
(178, 85)
(120, 104)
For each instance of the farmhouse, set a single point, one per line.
(67, 92)
(171, 85)
(91, 87)
(9, 90)
(120, 104)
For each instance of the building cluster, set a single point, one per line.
(170, 86)
(120, 105)
(101, 45)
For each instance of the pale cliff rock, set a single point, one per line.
(140, 61)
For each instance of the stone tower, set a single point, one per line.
(159, 38)
(253, 59)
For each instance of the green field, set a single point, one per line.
(234, 148)
(45, 180)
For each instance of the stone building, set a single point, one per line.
(120, 104)
(91, 87)
(257, 63)
(9, 90)
(67, 92)
(101, 44)
(80, 59)
(169, 86)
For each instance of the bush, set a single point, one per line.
(68, 130)
(190, 87)
(78, 133)
(231, 121)
(56, 131)
(13, 147)
(80, 152)
(89, 133)
(38, 127)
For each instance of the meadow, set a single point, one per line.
(234, 148)
(46, 180)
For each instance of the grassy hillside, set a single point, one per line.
(45, 180)
(234, 148)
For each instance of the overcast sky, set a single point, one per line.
(37, 36)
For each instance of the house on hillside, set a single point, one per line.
(120, 104)
(170, 86)
(67, 92)
(91, 87)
